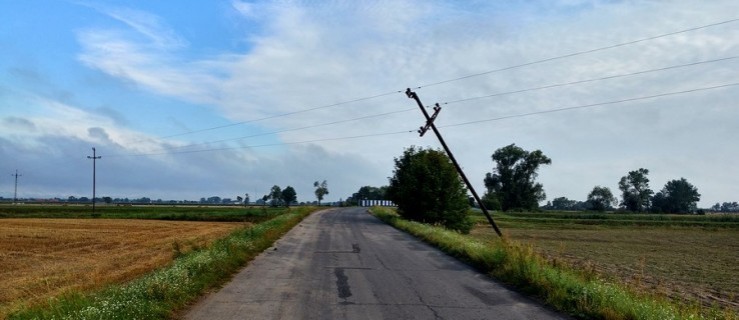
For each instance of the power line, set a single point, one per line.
(457, 101)
(449, 80)
(271, 144)
(283, 114)
(591, 105)
(281, 131)
(589, 80)
(444, 126)
(578, 53)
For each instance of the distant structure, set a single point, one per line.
(379, 203)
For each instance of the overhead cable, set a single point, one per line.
(578, 53)
(590, 105)
(588, 80)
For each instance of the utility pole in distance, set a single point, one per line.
(430, 124)
(94, 158)
(15, 193)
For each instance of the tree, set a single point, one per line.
(678, 196)
(601, 198)
(730, 207)
(108, 200)
(246, 199)
(239, 199)
(635, 192)
(321, 190)
(512, 181)
(275, 194)
(368, 193)
(289, 196)
(426, 187)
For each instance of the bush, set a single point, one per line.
(427, 188)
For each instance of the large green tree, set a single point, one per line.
(601, 198)
(289, 196)
(427, 188)
(512, 181)
(678, 196)
(275, 194)
(635, 192)
(321, 190)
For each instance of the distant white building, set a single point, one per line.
(379, 203)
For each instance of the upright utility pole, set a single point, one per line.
(93, 177)
(15, 193)
(430, 124)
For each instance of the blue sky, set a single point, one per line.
(139, 80)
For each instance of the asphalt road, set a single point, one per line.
(346, 264)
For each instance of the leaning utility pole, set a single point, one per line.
(15, 193)
(430, 124)
(93, 177)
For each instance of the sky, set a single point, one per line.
(190, 99)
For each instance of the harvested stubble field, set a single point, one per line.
(684, 262)
(42, 258)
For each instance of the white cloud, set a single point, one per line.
(306, 55)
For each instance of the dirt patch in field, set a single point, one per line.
(689, 264)
(42, 258)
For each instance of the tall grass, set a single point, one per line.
(581, 293)
(160, 294)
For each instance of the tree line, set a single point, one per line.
(427, 188)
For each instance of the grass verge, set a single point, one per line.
(580, 293)
(160, 294)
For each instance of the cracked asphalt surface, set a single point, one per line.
(346, 264)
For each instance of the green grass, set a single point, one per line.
(580, 292)
(162, 293)
(182, 213)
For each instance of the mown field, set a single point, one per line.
(686, 257)
(52, 251)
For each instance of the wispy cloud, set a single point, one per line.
(304, 54)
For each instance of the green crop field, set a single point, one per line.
(686, 257)
(158, 212)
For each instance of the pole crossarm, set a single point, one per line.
(430, 124)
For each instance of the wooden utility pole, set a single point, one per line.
(430, 124)
(94, 158)
(15, 193)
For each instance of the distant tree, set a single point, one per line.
(426, 187)
(275, 196)
(214, 199)
(491, 201)
(72, 199)
(239, 199)
(321, 190)
(246, 199)
(108, 200)
(513, 179)
(716, 207)
(730, 207)
(289, 196)
(678, 196)
(635, 192)
(368, 193)
(83, 199)
(203, 200)
(601, 199)
(562, 203)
